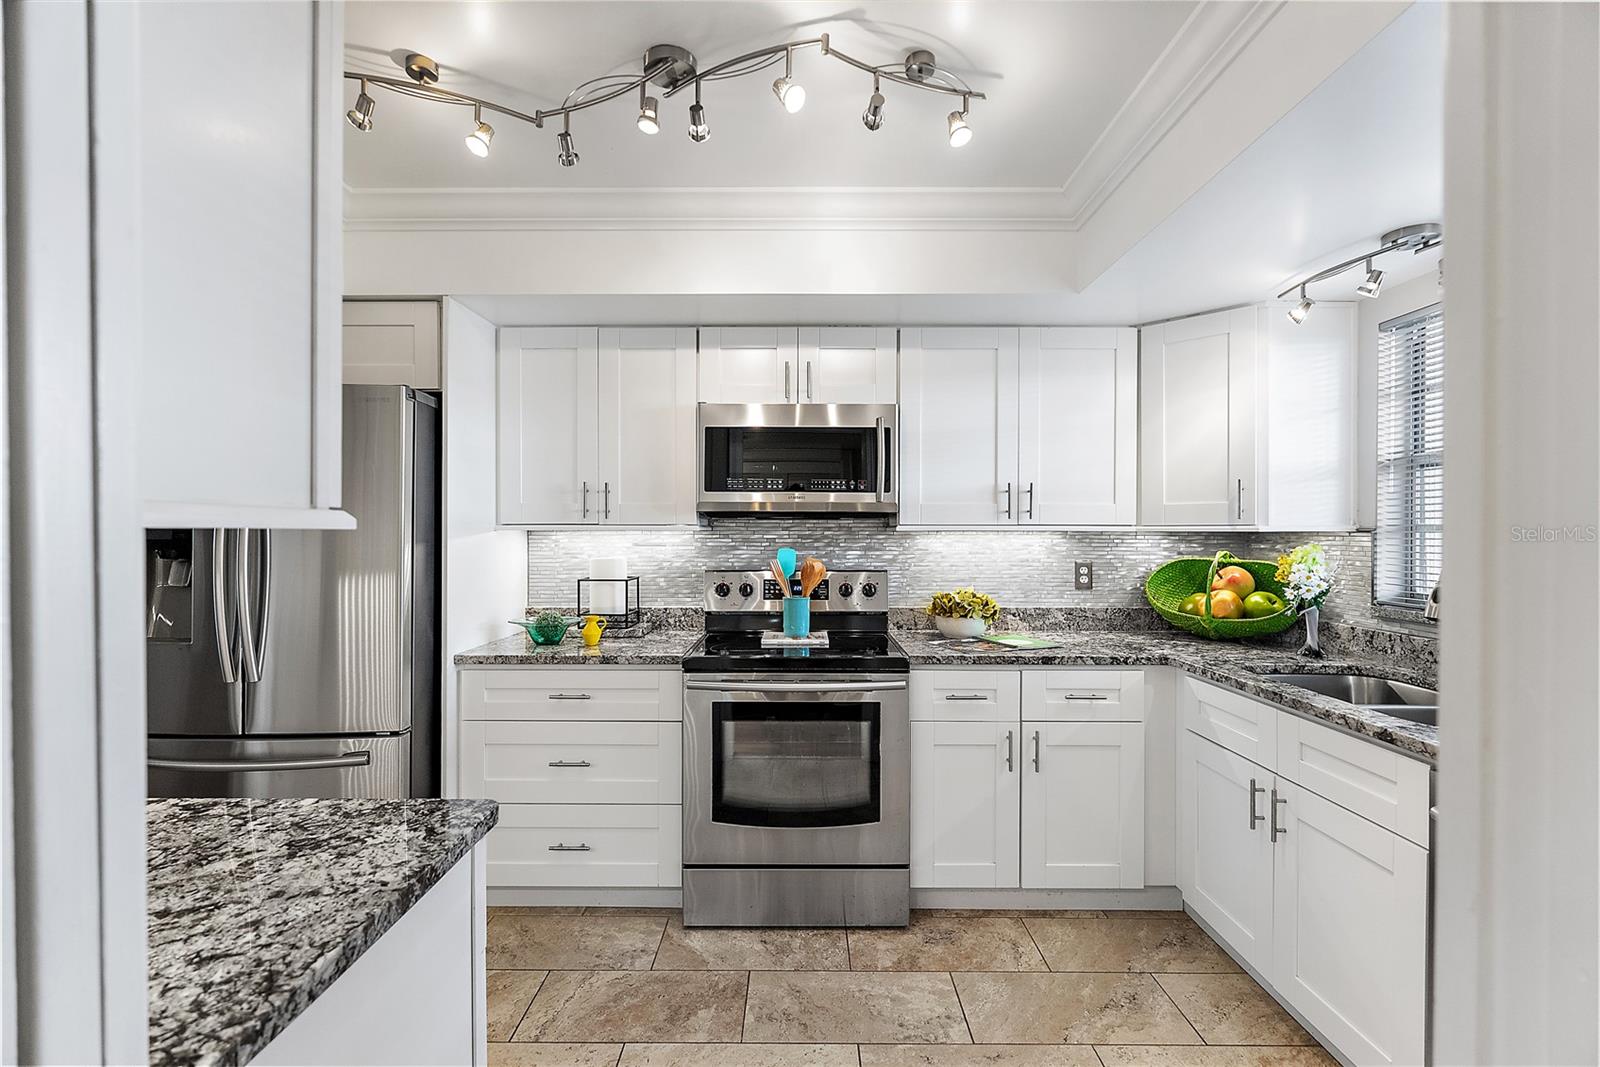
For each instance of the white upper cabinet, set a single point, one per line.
(1197, 414)
(596, 426)
(547, 400)
(1078, 420)
(749, 365)
(237, 224)
(392, 342)
(958, 426)
(646, 426)
(847, 364)
(1308, 423)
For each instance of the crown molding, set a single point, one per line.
(1209, 40)
(704, 209)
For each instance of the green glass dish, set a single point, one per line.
(544, 631)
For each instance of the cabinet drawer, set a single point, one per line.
(575, 693)
(1232, 720)
(1376, 783)
(573, 762)
(587, 845)
(966, 696)
(1083, 696)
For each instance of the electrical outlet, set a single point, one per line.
(1083, 575)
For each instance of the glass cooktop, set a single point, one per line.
(846, 652)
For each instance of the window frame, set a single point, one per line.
(1411, 465)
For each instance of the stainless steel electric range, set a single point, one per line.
(796, 761)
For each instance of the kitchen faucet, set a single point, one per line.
(1430, 610)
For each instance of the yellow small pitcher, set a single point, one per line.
(593, 627)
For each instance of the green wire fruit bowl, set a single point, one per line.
(1170, 584)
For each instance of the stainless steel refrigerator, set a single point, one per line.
(291, 663)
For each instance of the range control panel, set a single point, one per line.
(760, 591)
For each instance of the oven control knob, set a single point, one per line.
(869, 589)
(722, 590)
(747, 590)
(845, 589)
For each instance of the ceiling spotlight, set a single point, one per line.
(1298, 313)
(1373, 283)
(482, 133)
(649, 122)
(566, 156)
(360, 116)
(960, 132)
(698, 130)
(791, 94)
(872, 117)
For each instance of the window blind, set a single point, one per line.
(1410, 521)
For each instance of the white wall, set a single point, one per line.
(485, 569)
(1516, 935)
(1392, 301)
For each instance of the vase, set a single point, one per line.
(1312, 647)
(967, 628)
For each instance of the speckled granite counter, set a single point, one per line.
(657, 648)
(1233, 664)
(257, 906)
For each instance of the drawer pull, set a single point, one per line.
(559, 847)
(1085, 696)
(965, 696)
(570, 763)
(570, 696)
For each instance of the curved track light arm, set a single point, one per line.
(1384, 249)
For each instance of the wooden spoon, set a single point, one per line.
(812, 572)
(778, 576)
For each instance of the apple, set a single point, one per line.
(1194, 604)
(1260, 605)
(1225, 604)
(1235, 580)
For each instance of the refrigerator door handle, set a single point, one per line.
(247, 628)
(264, 591)
(220, 615)
(362, 758)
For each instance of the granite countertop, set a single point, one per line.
(1232, 664)
(257, 906)
(659, 648)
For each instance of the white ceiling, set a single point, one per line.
(1057, 74)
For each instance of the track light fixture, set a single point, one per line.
(1373, 282)
(360, 116)
(791, 94)
(872, 117)
(1298, 313)
(1416, 239)
(960, 132)
(482, 133)
(673, 68)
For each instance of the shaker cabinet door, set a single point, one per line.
(1083, 805)
(646, 426)
(547, 399)
(392, 342)
(847, 364)
(964, 804)
(749, 365)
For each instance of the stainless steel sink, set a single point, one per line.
(1414, 703)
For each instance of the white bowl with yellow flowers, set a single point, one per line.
(965, 613)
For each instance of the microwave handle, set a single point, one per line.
(883, 458)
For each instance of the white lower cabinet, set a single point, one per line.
(587, 764)
(1327, 904)
(1004, 797)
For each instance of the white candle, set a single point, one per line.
(608, 598)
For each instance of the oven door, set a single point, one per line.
(797, 458)
(800, 770)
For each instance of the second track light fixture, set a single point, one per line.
(671, 67)
(1415, 239)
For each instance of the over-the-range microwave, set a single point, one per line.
(797, 459)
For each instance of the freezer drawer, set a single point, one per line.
(369, 767)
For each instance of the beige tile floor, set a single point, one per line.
(599, 987)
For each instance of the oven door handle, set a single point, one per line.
(794, 687)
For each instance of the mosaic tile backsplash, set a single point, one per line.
(1017, 567)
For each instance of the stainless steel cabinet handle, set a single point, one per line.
(1011, 763)
(965, 696)
(605, 497)
(794, 687)
(787, 367)
(1008, 500)
(1030, 500)
(314, 763)
(1036, 752)
(569, 763)
(219, 605)
(1085, 696)
(1277, 830)
(1254, 789)
(247, 626)
(585, 514)
(570, 696)
(809, 394)
(559, 847)
(1241, 499)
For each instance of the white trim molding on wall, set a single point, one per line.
(1515, 958)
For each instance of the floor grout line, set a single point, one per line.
(1157, 979)
(1048, 966)
(744, 1016)
(523, 1017)
(960, 1004)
